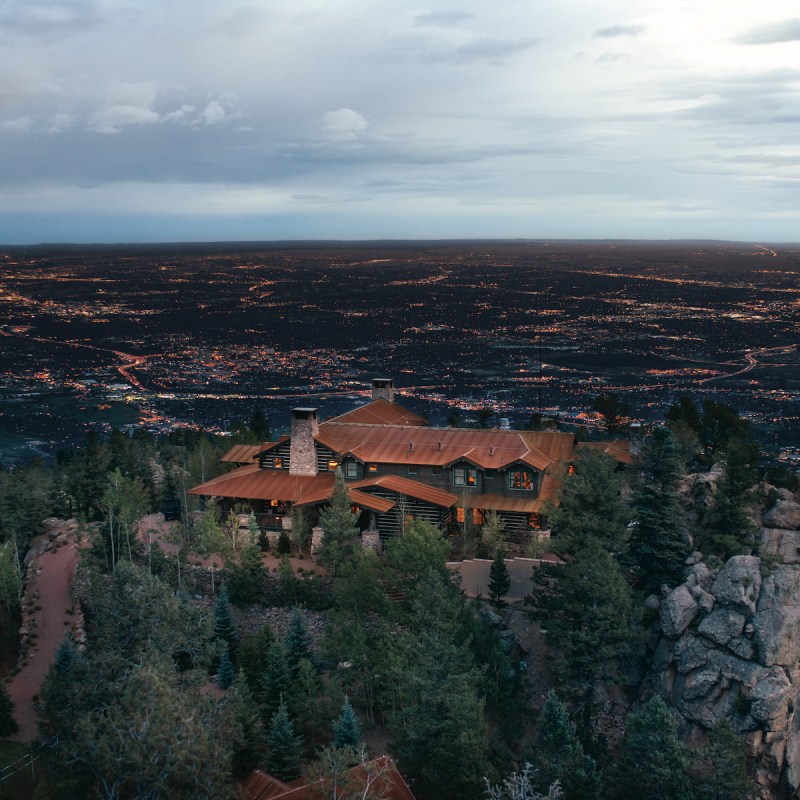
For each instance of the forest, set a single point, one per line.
(182, 687)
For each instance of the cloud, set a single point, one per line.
(213, 114)
(41, 18)
(787, 30)
(18, 125)
(113, 119)
(343, 125)
(180, 114)
(618, 30)
(441, 19)
(59, 123)
(495, 51)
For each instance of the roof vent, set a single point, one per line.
(410, 446)
(440, 446)
(491, 449)
(505, 424)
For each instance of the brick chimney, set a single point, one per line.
(302, 453)
(383, 388)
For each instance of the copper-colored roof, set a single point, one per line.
(415, 489)
(499, 502)
(241, 453)
(380, 412)
(487, 448)
(252, 483)
(361, 499)
(271, 445)
(616, 448)
(387, 782)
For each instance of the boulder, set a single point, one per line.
(722, 625)
(784, 514)
(783, 543)
(678, 610)
(777, 636)
(738, 584)
(742, 647)
(781, 588)
(770, 700)
(652, 601)
(690, 654)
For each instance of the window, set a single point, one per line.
(489, 473)
(332, 464)
(571, 470)
(460, 514)
(413, 469)
(520, 480)
(465, 476)
(534, 522)
(277, 462)
(436, 470)
(477, 516)
(372, 467)
(350, 469)
(273, 503)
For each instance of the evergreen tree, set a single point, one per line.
(346, 729)
(660, 542)
(559, 754)
(591, 506)
(720, 425)
(651, 762)
(284, 546)
(252, 656)
(260, 427)
(731, 529)
(436, 714)
(276, 681)
(499, 579)
(283, 747)
(8, 724)
(247, 741)
(719, 770)
(588, 610)
(685, 412)
(247, 575)
(223, 619)
(613, 410)
(410, 557)
(298, 640)
(225, 671)
(340, 526)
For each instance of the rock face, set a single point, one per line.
(784, 514)
(731, 648)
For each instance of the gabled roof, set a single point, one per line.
(362, 499)
(616, 448)
(253, 483)
(241, 454)
(499, 502)
(381, 412)
(486, 448)
(386, 780)
(267, 446)
(400, 485)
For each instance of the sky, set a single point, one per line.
(200, 120)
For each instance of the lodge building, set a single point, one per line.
(396, 466)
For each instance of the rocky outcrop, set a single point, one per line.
(731, 648)
(784, 514)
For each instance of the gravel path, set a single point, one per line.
(52, 580)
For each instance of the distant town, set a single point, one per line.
(163, 337)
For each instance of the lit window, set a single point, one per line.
(477, 516)
(534, 522)
(332, 464)
(460, 515)
(273, 503)
(520, 479)
(350, 469)
(277, 462)
(571, 470)
(373, 467)
(465, 476)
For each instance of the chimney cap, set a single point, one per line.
(381, 381)
(303, 412)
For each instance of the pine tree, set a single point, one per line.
(660, 542)
(613, 410)
(591, 506)
(559, 754)
(346, 729)
(247, 739)
(298, 640)
(340, 526)
(499, 579)
(252, 656)
(284, 547)
(247, 575)
(719, 769)
(8, 724)
(651, 761)
(276, 681)
(283, 747)
(225, 671)
(223, 619)
(588, 608)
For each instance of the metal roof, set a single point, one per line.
(252, 483)
(380, 412)
(241, 453)
(406, 486)
(362, 499)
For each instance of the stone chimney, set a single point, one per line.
(302, 453)
(383, 388)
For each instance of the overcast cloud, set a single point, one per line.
(172, 120)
